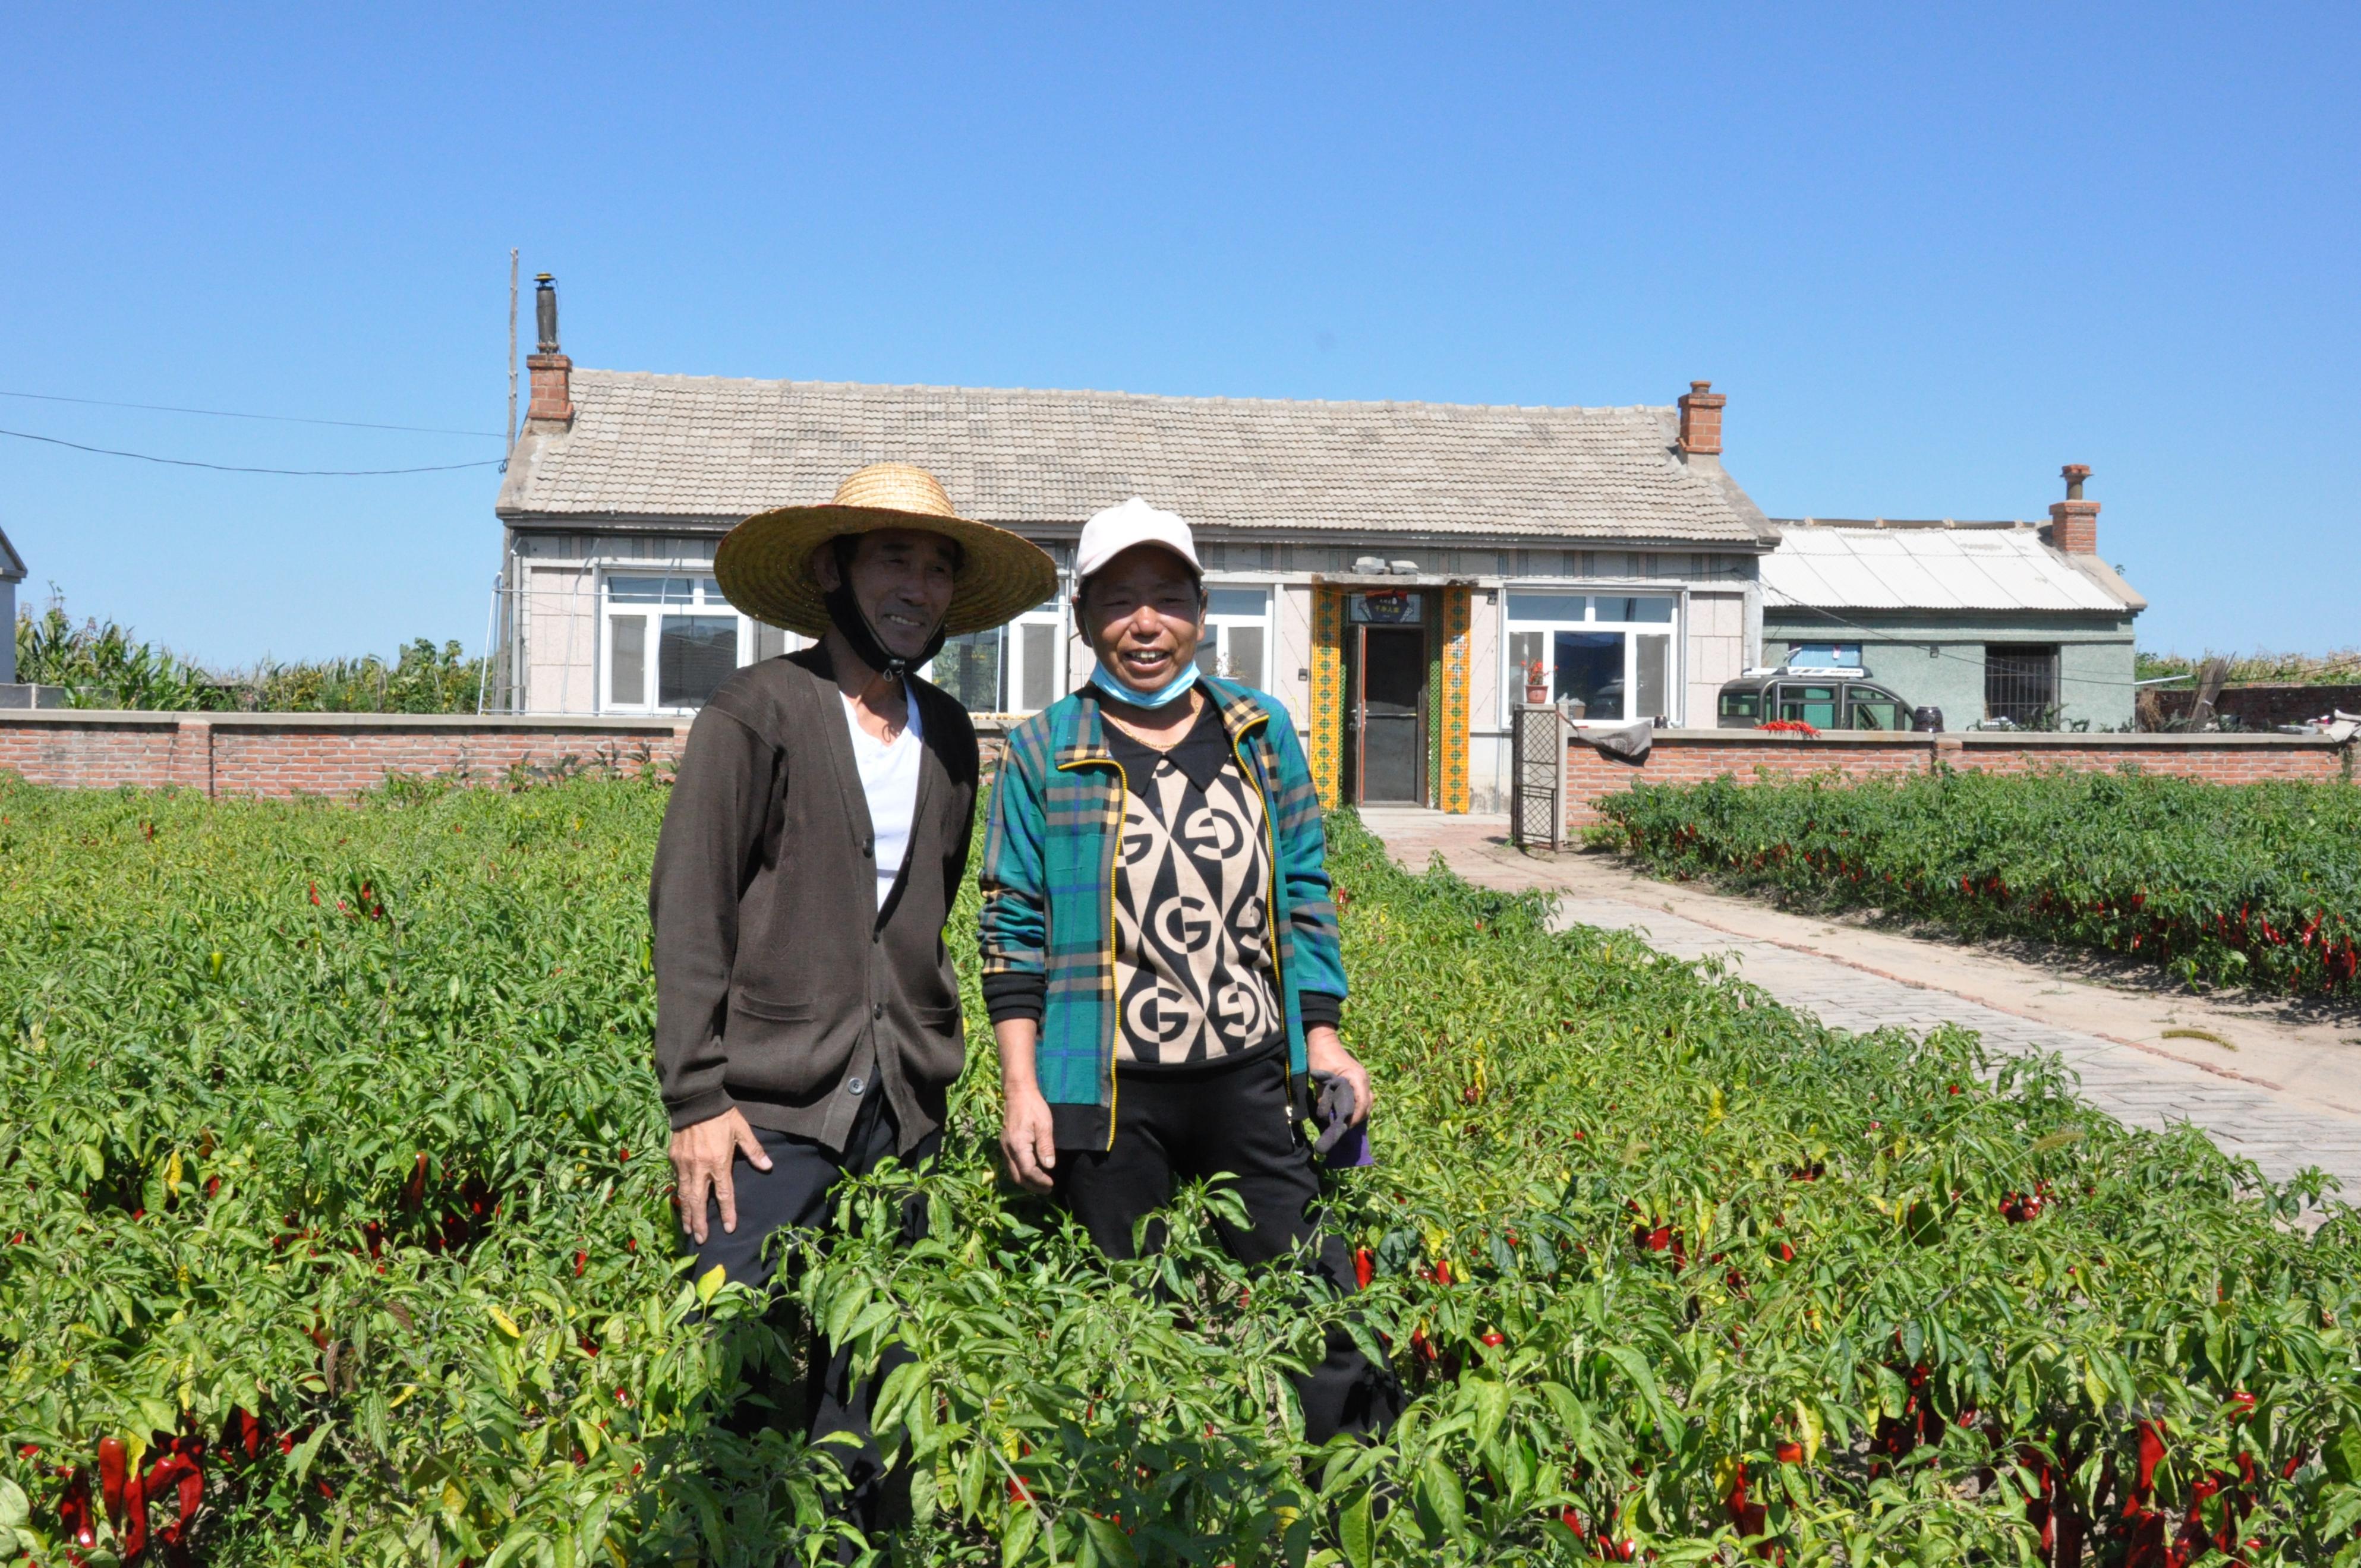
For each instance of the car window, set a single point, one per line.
(1741, 705)
(1815, 706)
(1875, 710)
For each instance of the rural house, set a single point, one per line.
(1994, 622)
(1386, 569)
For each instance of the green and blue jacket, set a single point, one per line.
(1051, 840)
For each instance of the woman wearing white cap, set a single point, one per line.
(1159, 943)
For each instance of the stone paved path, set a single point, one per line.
(1806, 968)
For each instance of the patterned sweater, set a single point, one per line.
(1052, 849)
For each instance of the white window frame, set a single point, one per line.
(1512, 675)
(705, 599)
(1219, 624)
(1057, 614)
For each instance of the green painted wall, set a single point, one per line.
(2094, 659)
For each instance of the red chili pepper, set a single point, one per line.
(135, 1523)
(1791, 1453)
(413, 1192)
(1365, 1267)
(1493, 1339)
(110, 1478)
(582, 1261)
(73, 1510)
(2151, 1454)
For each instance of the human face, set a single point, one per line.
(1144, 612)
(902, 581)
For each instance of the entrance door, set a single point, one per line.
(1393, 706)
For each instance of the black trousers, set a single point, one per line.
(798, 1193)
(1230, 1117)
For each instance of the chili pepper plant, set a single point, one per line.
(337, 1230)
(2235, 884)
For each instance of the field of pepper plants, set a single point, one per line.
(2231, 885)
(333, 1200)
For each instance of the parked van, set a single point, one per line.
(1825, 698)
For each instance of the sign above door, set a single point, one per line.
(1394, 607)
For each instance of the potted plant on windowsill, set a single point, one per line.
(1536, 684)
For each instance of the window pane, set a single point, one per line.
(2021, 684)
(1037, 665)
(1253, 602)
(1741, 705)
(1545, 606)
(708, 592)
(695, 653)
(1815, 706)
(1590, 672)
(1643, 608)
(769, 641)
(1872, 709)
(1242, 653)
(1653, 655)
(1524, 652)
(1826, 656)
(627, 660)
(969, 668)
(649, 590)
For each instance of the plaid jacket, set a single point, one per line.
(1050, 848)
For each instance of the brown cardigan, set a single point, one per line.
(780, 988)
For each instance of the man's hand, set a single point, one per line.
(1327, 1054)
(701, 1158)
(1027, 1139)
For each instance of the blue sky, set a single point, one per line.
(1928, 254)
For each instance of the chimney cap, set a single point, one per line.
(545, 280)
(2074, 474)
(1700, 386)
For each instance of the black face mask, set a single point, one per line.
(847, 617)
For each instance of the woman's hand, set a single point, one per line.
(1326, 1051)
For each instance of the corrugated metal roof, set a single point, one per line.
(1854, 567)
(708, 448)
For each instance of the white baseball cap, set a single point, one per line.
(1118, 528)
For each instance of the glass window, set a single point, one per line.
(1588, 672)
(1237, 623)
(651, 590)
(1874, 710)
(1826, 656)
(1815, 706)
(1741, 705)
(969, 668)
(1651, 657)
(1643, 608)
(2021, 684)
(627, 664)
(1548, 607)
(695, 653)
(1037, 656)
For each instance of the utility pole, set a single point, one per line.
(513, 308)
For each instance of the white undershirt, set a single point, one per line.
(889, 777)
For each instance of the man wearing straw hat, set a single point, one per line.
(808, 1019)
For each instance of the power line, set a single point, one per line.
(226, 413)
(235, 469)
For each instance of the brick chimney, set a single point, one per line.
(2074, 522)
(552, 409)
(1701, 422)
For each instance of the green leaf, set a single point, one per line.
(1441, 1490)
(1016, 1540)
(13, 1508)
(1354, 1533)
(708, 1285)
(1112, 1545)
(1491, 1397)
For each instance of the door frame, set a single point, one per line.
(1356, 718)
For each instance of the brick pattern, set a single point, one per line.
(2074, 527)
(224, 754)
(1694, 757)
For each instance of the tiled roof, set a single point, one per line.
(1916, 566)
(710, 449)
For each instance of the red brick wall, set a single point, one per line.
(285, 754)
(1694, 756)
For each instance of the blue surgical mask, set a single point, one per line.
(1170, 691)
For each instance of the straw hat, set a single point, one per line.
(764, 563)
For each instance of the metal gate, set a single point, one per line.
(1537, 762)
